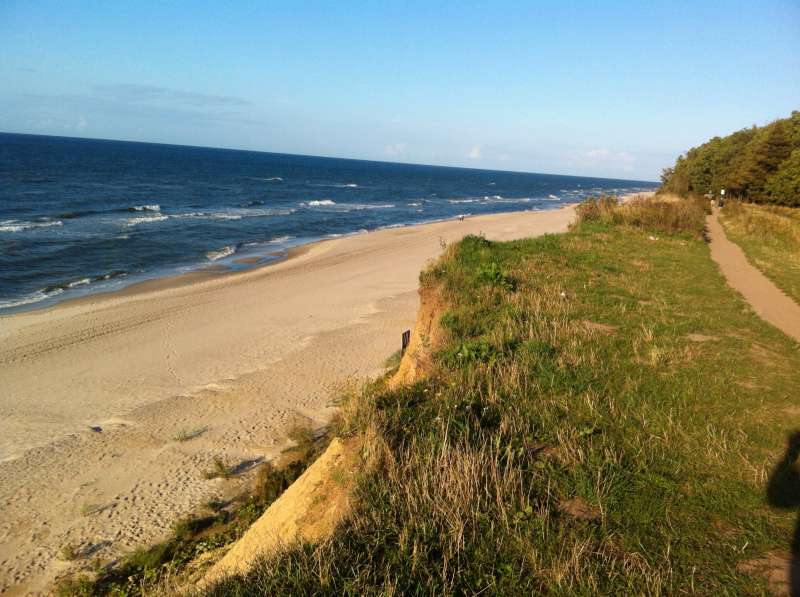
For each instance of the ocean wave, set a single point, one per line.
(131, 222)
(225, 251)
(281, 239)
(34, 297)
(552, 197)
(501, 199)
(233, 214)
(252, 203)
(151, 207)
(20, 225)
(356, 206)
(464, 200)
(54, 290)
(335, 185)
(81, 282)
(415, 204)
(345, 207)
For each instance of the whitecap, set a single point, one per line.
(225, 251)
(234, 214)
(130, 222)
(20, 225)
(151, 207)
(319, 202)
(350, 206)
(35, 297)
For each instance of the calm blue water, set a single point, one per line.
(79, 216)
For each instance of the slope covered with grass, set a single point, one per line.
(605, 419)
(770, 237)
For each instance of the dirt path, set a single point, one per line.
(764, 297)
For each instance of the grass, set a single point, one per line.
(655, 215)
(91, 509)
(149, 570)
(770, 237)
(219, 469)
(575, 440)
(184, 435)
(70, 552)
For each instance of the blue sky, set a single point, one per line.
(606, 88)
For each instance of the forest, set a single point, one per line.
(760, 164)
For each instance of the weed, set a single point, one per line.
(186, 434)
(70, 552)
(91, 509)
(220, 469)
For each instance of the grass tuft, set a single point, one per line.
(185, 435)
(219, 469)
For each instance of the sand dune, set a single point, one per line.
(93, 393)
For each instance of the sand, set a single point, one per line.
(95, 392)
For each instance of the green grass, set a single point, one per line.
(552, 455)
(770, 237)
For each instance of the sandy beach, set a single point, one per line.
(95, 393)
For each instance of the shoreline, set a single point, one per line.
(251, 262)
(247, 263)
(95, 391)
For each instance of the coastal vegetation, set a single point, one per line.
(760, 164)
(585, 429)
(770, 237)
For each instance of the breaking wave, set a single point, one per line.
(20, 225)
(225, 251)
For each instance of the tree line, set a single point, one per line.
(760, 164)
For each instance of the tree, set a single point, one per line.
(783, 187)
(756, 164)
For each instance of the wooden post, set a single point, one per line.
(406, 340)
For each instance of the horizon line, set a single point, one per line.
(327, 157)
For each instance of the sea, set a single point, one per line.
(79, 216)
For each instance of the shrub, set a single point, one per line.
(652, 214)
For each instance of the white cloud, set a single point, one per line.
(395, 149)
(155, 94)
(619, 159)
(474, 153)
(597, 153)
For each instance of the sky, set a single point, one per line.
(614, 89)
